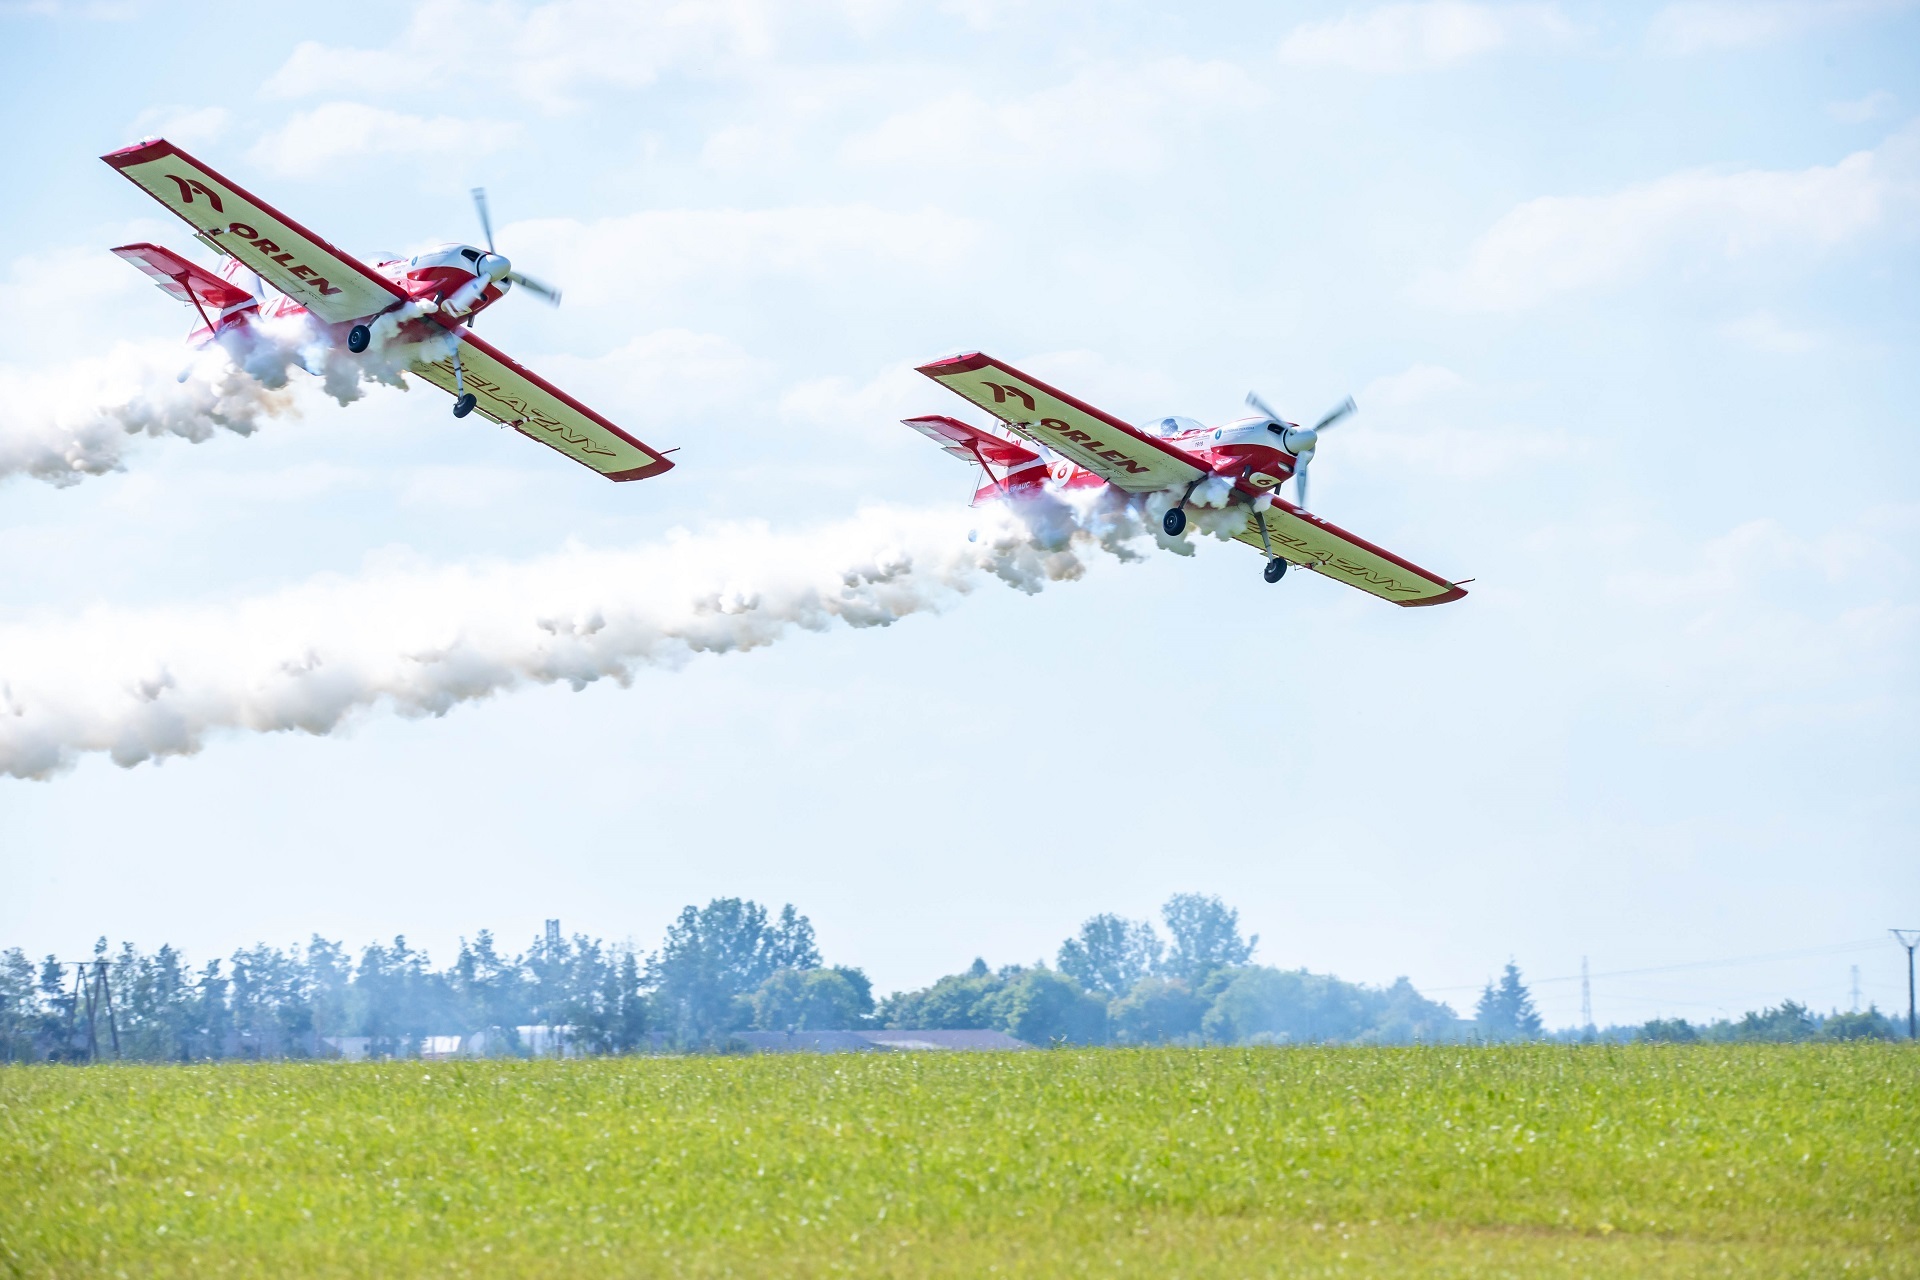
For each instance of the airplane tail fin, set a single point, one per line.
(221, 304)
(1012, 469)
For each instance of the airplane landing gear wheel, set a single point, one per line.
(1175, 522)
(1276, 569)
(358, 337)
(464, 405)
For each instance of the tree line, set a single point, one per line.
(733, 966)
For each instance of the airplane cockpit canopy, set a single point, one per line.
(1174, 426)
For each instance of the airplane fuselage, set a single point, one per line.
(457, 280)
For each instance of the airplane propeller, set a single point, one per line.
(495, 266)
(1300, 441)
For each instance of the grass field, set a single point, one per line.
(1530, 1161)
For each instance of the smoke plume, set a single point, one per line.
(151, 683)
(66, 424)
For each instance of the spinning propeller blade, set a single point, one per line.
(1301, 444)
(1336, 413)
(538, 288)
(486, 222)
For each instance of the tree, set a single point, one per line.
(397, 999)
(211, 1017)
(811, 1000)
(1506, 1012)
(1111, 954)
(714, 955)
(56, 1008)
(1871, 1025)
(1042, 1007)
(489, 990)
(271, 1001)
(329, 973)
(1155, 1011)
(1403, 1016)
(1206, 937)
(19, 1008)
(1289, 1006)
(1791, 1022)
(957, 1002)
(627, 1015)
(790, 942)
(1667, 1031)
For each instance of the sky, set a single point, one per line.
(1625, 294)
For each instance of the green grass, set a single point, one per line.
(1534, 1161)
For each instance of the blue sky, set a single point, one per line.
(1625, 294)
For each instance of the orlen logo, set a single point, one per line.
(274, 253)
(1098, 448)
(190, 185)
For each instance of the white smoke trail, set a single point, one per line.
(144, 685)
(63, 425)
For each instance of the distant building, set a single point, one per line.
(878, 1041)
(437, 1048)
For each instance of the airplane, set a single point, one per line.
(414, 313)
(1225, 475)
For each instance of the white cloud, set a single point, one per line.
(310, 142)
(1765, 331)
(874, 408)
(1423, 37)
(1702, 26)
(613, 260)
(1116, 118)
(73, 282)
(1861, 110)
(1420, 384)
(189, 126)
(1743, 655)
(670, 374)
(545, 53)
(1429, 419)
(1555, 244)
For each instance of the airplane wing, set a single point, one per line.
(183, 280)
(332, 285)
(1310, 542)
(970, 443)
(516, 397)
(1122, 456)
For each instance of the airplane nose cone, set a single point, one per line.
(1299, 440)
(493, 266)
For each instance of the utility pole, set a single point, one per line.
(1908, 938)
(1586, 998)
(96, 992)
(1856, 988)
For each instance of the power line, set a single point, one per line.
(1835, 948)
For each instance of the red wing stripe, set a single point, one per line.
(654, 468)
(1364, 545)
(973, 360)
(160, 148)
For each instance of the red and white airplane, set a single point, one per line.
(411, 312)
(1227, 474)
